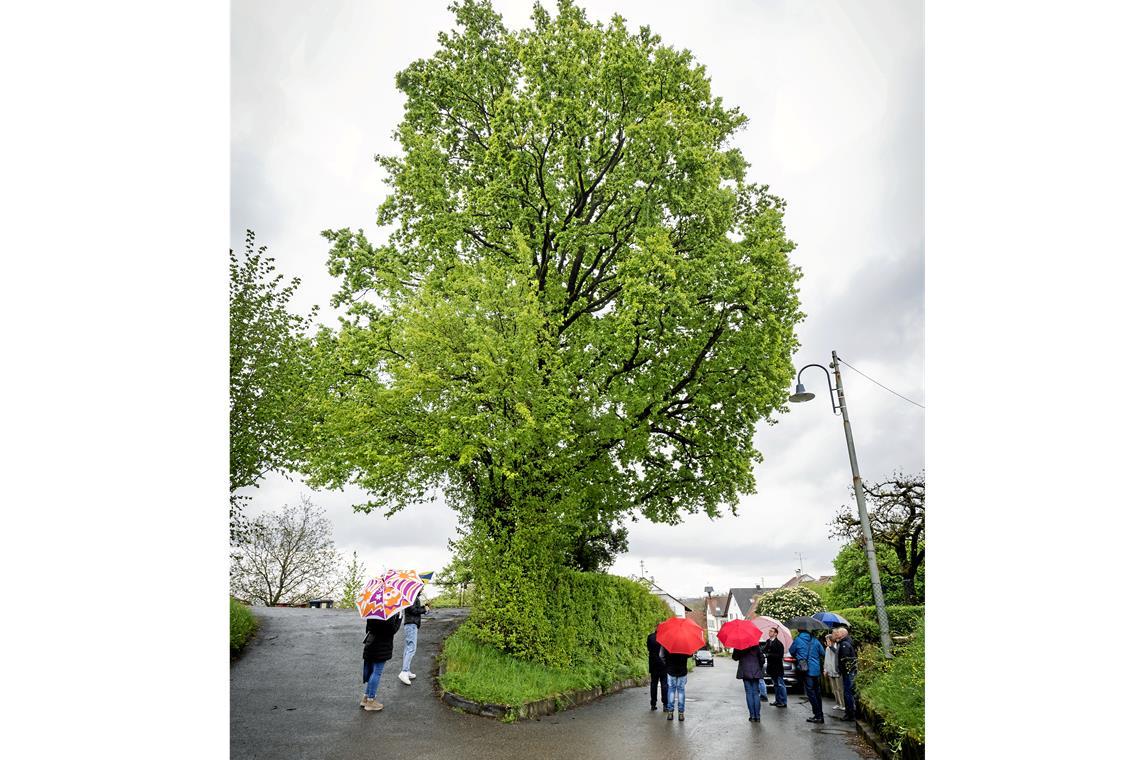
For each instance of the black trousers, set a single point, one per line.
(654, 679)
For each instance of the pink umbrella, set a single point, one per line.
(782, 632)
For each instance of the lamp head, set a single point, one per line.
(801, 394)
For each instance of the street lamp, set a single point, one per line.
(802, 395)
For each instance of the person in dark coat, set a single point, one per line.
(677, 670)
(845, 653)
(412, 617)
(749, 670)
(657, 676)
(377, 651)
(775, 654)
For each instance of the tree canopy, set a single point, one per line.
(582, 309)
(896, 510)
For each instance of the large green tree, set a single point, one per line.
(582, 309)
(267, 344)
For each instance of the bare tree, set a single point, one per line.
(897, 512)
(289, 557)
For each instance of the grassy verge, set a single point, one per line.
(484, 674)
(450, 599)
(242, 626)
(894, 692)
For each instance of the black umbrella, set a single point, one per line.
(804, 623)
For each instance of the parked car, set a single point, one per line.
(791, 683)
(703, 657)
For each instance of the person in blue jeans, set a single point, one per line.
(774, 651)
(809, 651)
(377, 651)
(749, 670)
(677, 671)
(412, 617)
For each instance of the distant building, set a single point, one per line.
(678, 607)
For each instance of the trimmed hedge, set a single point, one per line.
(592, 617)
(242, 626)
(903, 620)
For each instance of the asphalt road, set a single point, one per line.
(295, 693)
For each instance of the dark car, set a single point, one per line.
(791, 682)
(703, 657)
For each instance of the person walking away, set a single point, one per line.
(412, 618)
(377, 651)
(775, 655)
(657, 676)
(677, 671)
(831, 670)
(848, 663)
(749, 670)
(809, 658)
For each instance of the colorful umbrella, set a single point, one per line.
(680, 636)
(830, 618)
(782, 633)
(385, 596)
(804, 623)
(739, 634)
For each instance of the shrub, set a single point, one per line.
(242, 626)
(785, 603)
(902, 619)
(893, 692)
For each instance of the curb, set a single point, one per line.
(531, 710)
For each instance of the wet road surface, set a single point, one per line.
(295, 693)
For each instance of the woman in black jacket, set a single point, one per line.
(775, 654)
(377, 651)
(749, 670)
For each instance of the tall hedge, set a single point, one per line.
(902, 619)
(580, 616)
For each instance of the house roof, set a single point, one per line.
(698, 617)
(796, 580)
(751, 611)
(717, 605)
(655, 589)
(743, 597)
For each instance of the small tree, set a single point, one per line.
(897, 512)
(784, 603)
(352, 579)
(288, 558)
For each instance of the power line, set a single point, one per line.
(876, 382)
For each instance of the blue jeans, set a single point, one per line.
(752, 696)
(763, 687)
(676, 692)
(411, 633)
(781, 690)
(811, 686)
(372, 672)
(848, 695)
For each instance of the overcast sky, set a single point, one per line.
(834, 94)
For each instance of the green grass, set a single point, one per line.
(895, 690)
(242, 626)
(482, 673)
(449, 599)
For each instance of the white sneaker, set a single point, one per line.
(404, 678)
(410, 673)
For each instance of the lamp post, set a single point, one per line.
(802, 395)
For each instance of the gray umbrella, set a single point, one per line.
(803, 623)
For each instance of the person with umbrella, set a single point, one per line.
(380, 603)
(657, 675)
(744, 640)
(809, 660)
(377, 651)
(679, 639)
(774, 652)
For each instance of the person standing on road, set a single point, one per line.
(677, 670)
(775, 655)
(749, 670)
(845, 654)
(809, 658)
(657, 676)
(412, 616)
(377, 651)
(831, 669)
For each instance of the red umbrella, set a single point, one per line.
(739, 634)
(680, 636)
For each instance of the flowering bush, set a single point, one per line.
(785, 603)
